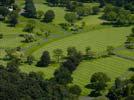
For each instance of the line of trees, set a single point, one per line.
(7, 2)
(15, 85)
(10, 13)
(118, 16)
(130, 40)
(123, 89)
(127, 4)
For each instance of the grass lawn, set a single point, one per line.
(91, 20)
(125, 52)
(47, 72)
(112, 66)
(98, 40)
(59, 12)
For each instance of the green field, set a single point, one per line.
(94, 34)
(125, 52)
(112, 66)
(47, 72)
(98, 40)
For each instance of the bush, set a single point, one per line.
(29, 38)
(3, 11)
(30, 26)
(13, 18)
(45, 60)
(30, 59)
(40, 13)
(95, 10)
(70, 17)
(1, 35)
(49, 16)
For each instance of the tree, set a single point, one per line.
(3, 11)
(14, 54)
(47, 34)
(13, 66)
(63, 76)
(71, 5)
(52, 2)
(30, 10)
(132, 79)
(69, 64)
(71, 51)
(31, 24)
(89, 54)
(15, 85)
(130, 40)
(110, 50)
(132, 34)
(7, 2)
(13, 18)
(29, 38)
(30, 59)
(117, 16)
(1, 35)
(44, 60)
(40, 13)
(95, 10)
(98, 82)
(70, 17)
(58, 54)
(122, 89)
(75, 89)
(111, 16)
(102, 3)
(80, 12)
(49, 16)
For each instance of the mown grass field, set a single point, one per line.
(112, 66)
(126, 52)
(47, 72)
(98, 40)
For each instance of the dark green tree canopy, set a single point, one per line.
(30, 10)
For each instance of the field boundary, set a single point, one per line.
(122, 47)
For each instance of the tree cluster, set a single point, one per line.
(98, 83)
(29, 9)
(118, 16)
(122, 89)
(126, 4)
(7, 2)
(15, 85)
(10, 12)
(130, 40)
